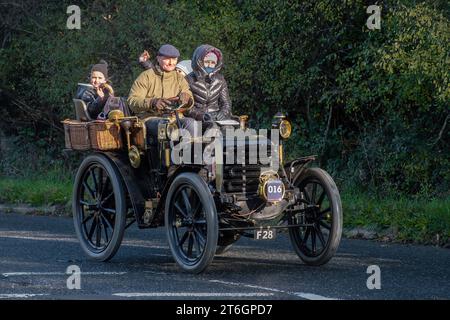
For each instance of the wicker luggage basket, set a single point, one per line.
(104, 135)
(76, 135)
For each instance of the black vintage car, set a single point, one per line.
(204, 208)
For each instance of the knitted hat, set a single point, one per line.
(168, 50)
(185, 66)
(102, 67)
(211, 56)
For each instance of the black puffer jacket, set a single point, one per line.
(93, 101)
(210, 90)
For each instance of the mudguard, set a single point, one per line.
(136, 192)
(159, 216)
(296, 167)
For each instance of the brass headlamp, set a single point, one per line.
(243, 122)
(283, 125)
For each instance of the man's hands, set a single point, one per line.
(185, 99)
(161, 104)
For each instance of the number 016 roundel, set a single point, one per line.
(274, 190)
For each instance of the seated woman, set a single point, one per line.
(96, 94)
(211, 98)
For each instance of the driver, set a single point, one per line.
(156, 88)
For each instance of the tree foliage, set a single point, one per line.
(374, 104)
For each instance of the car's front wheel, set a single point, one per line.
(321, 213)
(191, 222)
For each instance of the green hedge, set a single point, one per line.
(372, 104)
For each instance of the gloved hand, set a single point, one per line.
(161, 104)
(185, 98)
(207, 117)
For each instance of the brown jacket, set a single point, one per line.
(155, 83)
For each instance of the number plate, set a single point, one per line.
(265, 234)
(274, 190)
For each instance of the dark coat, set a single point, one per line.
(210, 90)
(93, 101)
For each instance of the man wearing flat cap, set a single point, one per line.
(158, 87)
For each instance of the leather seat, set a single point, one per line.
(81, 111)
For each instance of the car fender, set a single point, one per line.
(135, 192)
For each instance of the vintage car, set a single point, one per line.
(204, 207)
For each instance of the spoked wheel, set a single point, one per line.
(99, 207)
(191, 222)
(317, 242)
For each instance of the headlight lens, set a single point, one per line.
(285, 129)
(172, 132)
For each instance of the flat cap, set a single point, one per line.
(168, 50)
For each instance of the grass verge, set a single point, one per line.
(39, 191)
(401, 218)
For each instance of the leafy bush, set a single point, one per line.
(372, 104)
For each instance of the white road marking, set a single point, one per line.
(37, 236)
(41, 236)
(304, 295)
(247, 285)
(312, 296)
(193, 294)
(19, 274)
(21, 295)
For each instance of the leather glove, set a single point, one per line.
(161, 104)
(207, 117)
(185, 98)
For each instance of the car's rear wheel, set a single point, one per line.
(191, 222)
(321, 211)
(99, 207)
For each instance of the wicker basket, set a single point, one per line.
(104, 135)
(76, 135)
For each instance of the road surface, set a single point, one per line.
(36, 251)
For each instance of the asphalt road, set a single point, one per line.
(35, 252)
